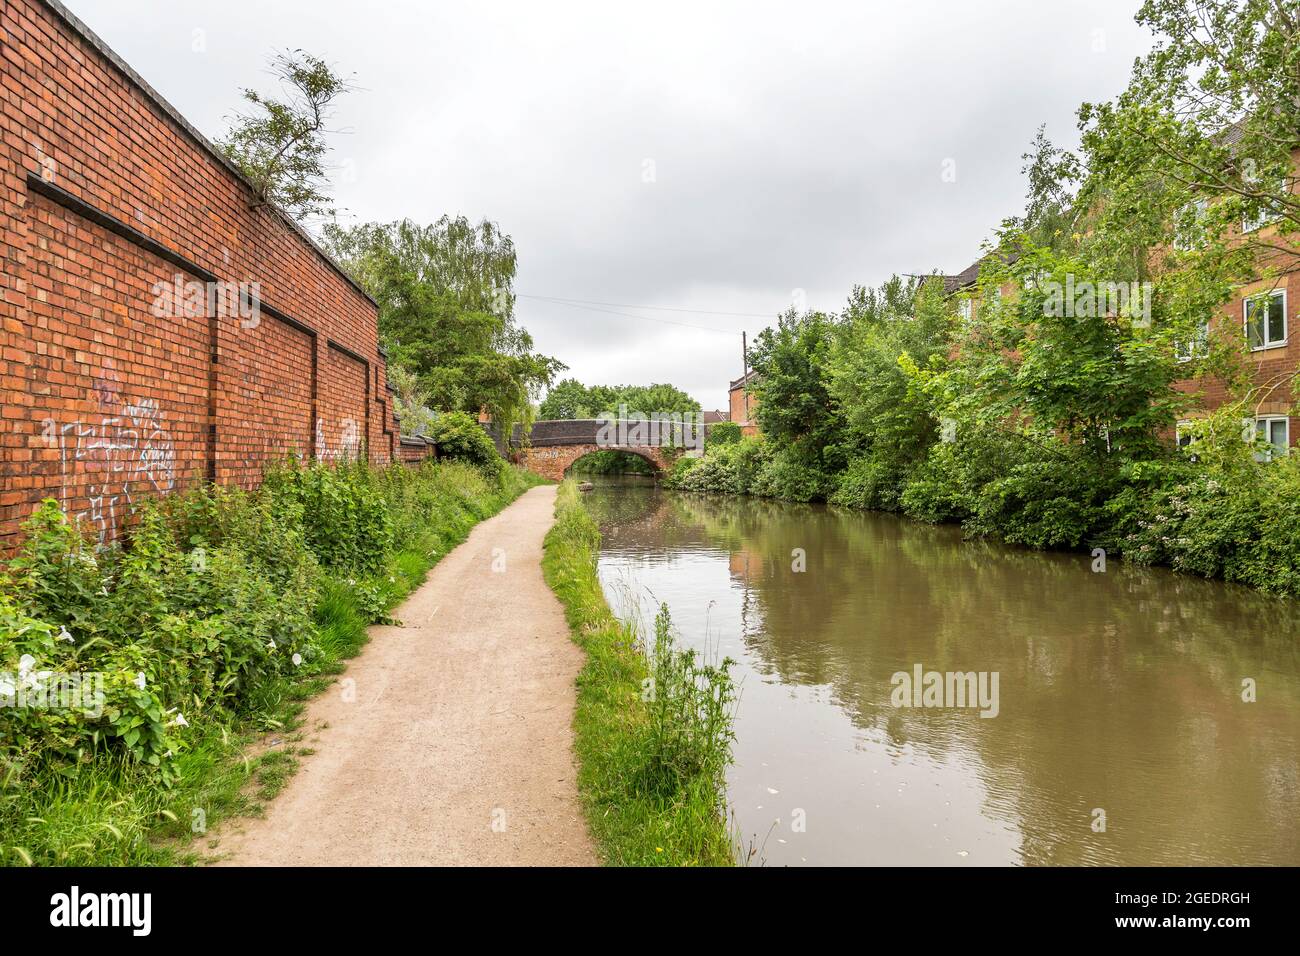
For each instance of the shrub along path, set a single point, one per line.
(448, 740)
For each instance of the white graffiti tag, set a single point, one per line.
(116, 456)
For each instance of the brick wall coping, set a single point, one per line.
(170, 112)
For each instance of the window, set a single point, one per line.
(964, 309)
(1188, 225)
(1183, 430)
(1267, 212)
(1196, 344)
(1276, 430)
(1265, 317)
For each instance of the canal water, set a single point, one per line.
(1121, 735)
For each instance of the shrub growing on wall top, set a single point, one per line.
(460, 438)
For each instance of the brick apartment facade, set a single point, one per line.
(114, 386)
(1274, 354)
(743, 406)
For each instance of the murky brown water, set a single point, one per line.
(1118, 691)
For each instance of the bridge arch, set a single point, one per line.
(552, 461)
(553, 446)
(632, 462)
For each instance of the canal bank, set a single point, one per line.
(1122, 735)
(653, 737)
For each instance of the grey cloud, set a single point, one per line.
(795, 145)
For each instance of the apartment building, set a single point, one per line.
(1262, 311)
(743, 405)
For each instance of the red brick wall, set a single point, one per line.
(108, 196)
(341, 426)
(1273, 368)
(413, 451)
(744, 410)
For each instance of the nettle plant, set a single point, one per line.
(207, 598)
(52, 636)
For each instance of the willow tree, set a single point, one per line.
(446, 312)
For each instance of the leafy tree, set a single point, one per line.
(795, 406)
(446, 312)
(570, 399)
(279, 144)
(661, 398)
(460, 437)
(723, 433)
(410, 400)
(883, 333)
(567, 400)
(1073, 369)
(1210, 116)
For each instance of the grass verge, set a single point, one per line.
(652, 730)
(99, 804)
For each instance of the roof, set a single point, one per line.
(712, 418)
(173, 114)
(968, 276)
(971, 274)
(743, 380)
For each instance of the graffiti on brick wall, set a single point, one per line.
(348, 446)
(122, 452)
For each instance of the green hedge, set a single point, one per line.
(216, 614)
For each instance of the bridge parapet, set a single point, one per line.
(555, 444)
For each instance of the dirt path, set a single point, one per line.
(456, 744)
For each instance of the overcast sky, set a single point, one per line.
(706, 157)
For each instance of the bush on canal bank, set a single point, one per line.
(135, 678)
(1020, 426)
(653, 725)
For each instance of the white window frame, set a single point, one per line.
(965, 308)
(1198, 208)
(1265, 343)
(1199, 344)
(1181, 426)
(1265, 216)
(1286, 439)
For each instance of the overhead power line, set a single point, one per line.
(656, 308)
(593, 307)
(563, 300)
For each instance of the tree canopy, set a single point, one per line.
(570, 399)
(446, 312)
(279, 144)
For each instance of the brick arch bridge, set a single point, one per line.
(555, 445)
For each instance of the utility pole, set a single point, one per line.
(744, 364)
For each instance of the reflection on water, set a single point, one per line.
(1119, 691)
